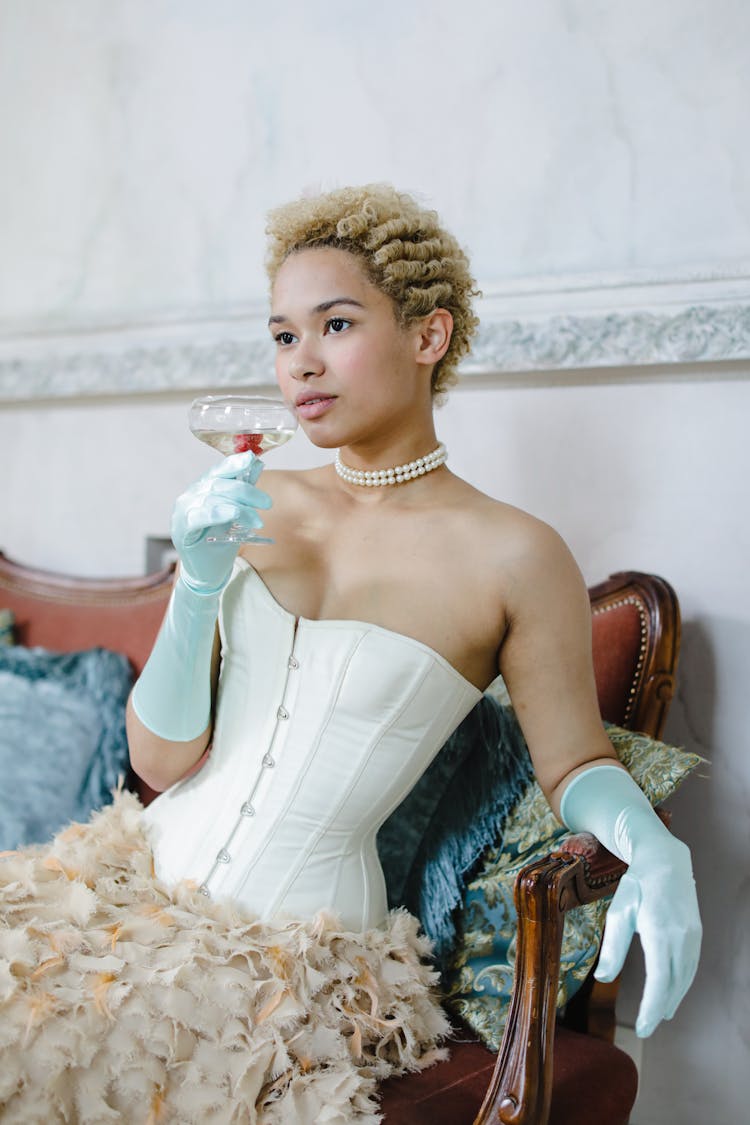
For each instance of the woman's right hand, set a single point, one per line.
(169, 717)
(226, 494)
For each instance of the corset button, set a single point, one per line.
(282, 713)
(204, 890)
(223, 856)
(293, 663)
(247, 809)
(268, 761)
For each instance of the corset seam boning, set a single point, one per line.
(316, 837)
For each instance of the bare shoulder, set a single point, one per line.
(512, 530)
(533, 558)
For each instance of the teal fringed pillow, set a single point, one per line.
(62, 738)
(431, 844)
(479, 981)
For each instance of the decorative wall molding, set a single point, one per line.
(573, 324)
(564, 343)
(614, 321)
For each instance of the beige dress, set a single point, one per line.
(227, 955)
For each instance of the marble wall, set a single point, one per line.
(147, 139)
(590, 155)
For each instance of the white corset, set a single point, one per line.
(322, 729)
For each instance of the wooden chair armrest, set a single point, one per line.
(580, 871)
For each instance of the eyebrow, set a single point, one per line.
(324, 306)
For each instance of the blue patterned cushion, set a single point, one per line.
(62, 738)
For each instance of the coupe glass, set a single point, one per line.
(236, 424)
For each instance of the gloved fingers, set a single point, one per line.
(671, 951)
(650, 1015)
(251, 474)
(246, 517)
(660, 993)
(683, 982)
(240, 492)
(240, 466)
(685, 958)
(671, 931)
(217, 515)
(619, 929)
(215, 518)
(230, 488)
(216, 502)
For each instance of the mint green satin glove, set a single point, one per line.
(172, 696)
(223, 496)
(656, 897)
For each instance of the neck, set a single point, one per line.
(397, 448)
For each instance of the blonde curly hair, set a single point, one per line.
(404, 251)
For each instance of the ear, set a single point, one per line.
(433, 336)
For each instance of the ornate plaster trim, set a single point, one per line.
(611, 321)
(574, 324)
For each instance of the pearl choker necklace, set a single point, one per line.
(374, 478)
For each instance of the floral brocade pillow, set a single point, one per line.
(479, 982)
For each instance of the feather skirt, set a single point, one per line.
(124, 1000)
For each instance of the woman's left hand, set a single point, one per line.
(656, 897)
(657, 900)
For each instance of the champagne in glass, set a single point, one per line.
(236, 424)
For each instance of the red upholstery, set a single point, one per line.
(66, 614)
(616, 635)
(575, 1101)
(449, 1093)
(127, 628)
(452, 1092)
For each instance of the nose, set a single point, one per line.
(305, 361)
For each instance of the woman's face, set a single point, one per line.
(342, 359)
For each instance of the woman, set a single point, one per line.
(392, 595)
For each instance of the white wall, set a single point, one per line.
(145, 143)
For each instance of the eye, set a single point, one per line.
(337, 324)
(284, 338)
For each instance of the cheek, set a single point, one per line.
(365, 355)
(281, 367)
(352, 355)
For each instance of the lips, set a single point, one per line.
(310, 406)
